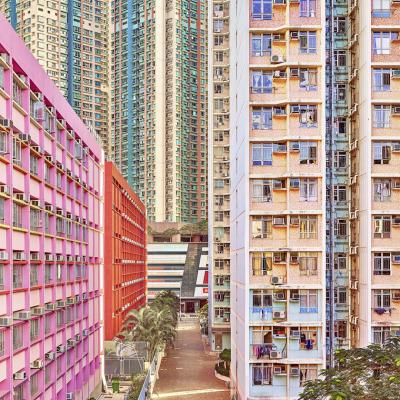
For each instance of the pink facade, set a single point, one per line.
(50, 236)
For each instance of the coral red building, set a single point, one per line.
(124, 251)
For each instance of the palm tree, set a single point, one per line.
(167, 298)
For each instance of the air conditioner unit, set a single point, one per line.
(279, 111)
(50, 355)
(60, 303)
(396, 295)
(60, 212)
(35, 203)
(294, 146)
(37, 364)
(279, 221)
(70, 396)
(353, 250)
(295, 334)
(279, 315)
(70, 259)
(6, 321)
(277, 280)
(59, 257)
(275, 354)
(77, 298)
(396, 221)
(294, 35)
(70, 301)
(84, 296)
(294, 221)
(294, 296)
(278, 370)
(22, 315)
(70, 342)
(50, 159)
(294, 259)
(38, 311)
(276, 58)
(396, 258)
(3, 256)
(354, 284)
(279, 74)
(279, 296)
(49, 207)
(85, 332)
(353, 179)
(276, 37)
(6, 123)
(294, 109)
(353, 214)
(396, 146)
(24, 137)
(77, 337)
(295, 371)
(19, 256)
(396, 184)
(396, 110)
(49, 306)
(353, 145)
(61, 348)
(5, 189)
(21, 197)
(395, 73)
(19, 376)
(48, 257)
(354, 320)
(77, 258)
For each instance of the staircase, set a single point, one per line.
(191, 267)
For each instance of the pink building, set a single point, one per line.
(50, 236)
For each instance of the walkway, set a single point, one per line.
(187, 372)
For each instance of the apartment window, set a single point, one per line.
(261, 118)
(261, 82)
(1, 277)
(308, 152)
(48, 275)
(33, 165)
(262, 191)
(382, 153)
(219, 312)
(1, 77)
(380, 334)
(340, 58)
(262, 374)
(340, 125)
(308, 189)
(339, 25)
(19, 393)
(34, 329)
(218, 216)
(308, 339)
(308, 42)
(381, 79)
(59, 226)
(261, 264)
(382, 226)
(218, 40)
(261, 227)
(261, 45)
(17, 215)
(340, 92)
(17, 276)
(3, 142)
(34, 275)
(340, 160)
(381, 8)
(35, 219)
(341, 228)
(308, 301)
(382, 298)
(262, 9)
(340, 261)
(17, 152)
(308, 264)
(308, 79)
(381, 116)
(17, 93)
(2, 202)
(59, 179)
(308, 116)
(308, 227)
(382, 42)
(382, 190)
(340, 193)
(47, 173)
(382, 263)
(262, 154)
(60, 317)
(18, 341)
(219, 183)
(218, 26)
(218, 57)
(340, 295)
(308, 373)
(307, 8)
(2, 348)
(262, 298)
(48, 326)
(34, 382)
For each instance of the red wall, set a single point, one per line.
(124, 262)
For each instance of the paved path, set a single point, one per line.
(187, 372)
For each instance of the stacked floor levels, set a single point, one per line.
(50, 236)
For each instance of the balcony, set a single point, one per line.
(273, 19)
(386, 17)
(268, 314)
(268, 351)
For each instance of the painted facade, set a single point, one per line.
(124, 251)
(51, 219)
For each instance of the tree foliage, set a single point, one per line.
(154, 324)
(371, 373)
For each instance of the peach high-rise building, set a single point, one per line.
(51, 239)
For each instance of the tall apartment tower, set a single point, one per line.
(159, 97)
(277, 196)
(70, 40)
(374, 178)
(219, 179)
(51, 240)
